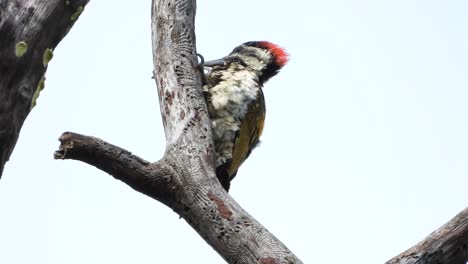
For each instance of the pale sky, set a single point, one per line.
(364, 151)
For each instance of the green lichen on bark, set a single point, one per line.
(77, 13)
(21, 48)
(40, 87)
(47, 56)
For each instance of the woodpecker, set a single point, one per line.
(233, 88)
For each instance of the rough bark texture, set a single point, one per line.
(29, 31)
(447, 245)
(184, 179)
(200, 200)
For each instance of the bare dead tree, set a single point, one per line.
(184, 178)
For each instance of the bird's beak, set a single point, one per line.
(213, 63)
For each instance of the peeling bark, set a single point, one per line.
(29, 31)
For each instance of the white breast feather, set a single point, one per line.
(229, 102)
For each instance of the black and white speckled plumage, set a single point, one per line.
(236, 104)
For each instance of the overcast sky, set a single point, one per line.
(364, 151)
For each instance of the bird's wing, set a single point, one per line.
(249, 133)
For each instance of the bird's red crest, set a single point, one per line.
(280, 55)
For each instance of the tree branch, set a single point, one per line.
(29, 31)
(184, 179)
(206, 206)
(448, 244)
(176, 72)
(151, 179)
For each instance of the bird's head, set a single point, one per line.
(263, 57)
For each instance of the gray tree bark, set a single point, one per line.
(29, 32)
(184, 178)
(446, 245)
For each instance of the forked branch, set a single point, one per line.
(184, 179)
